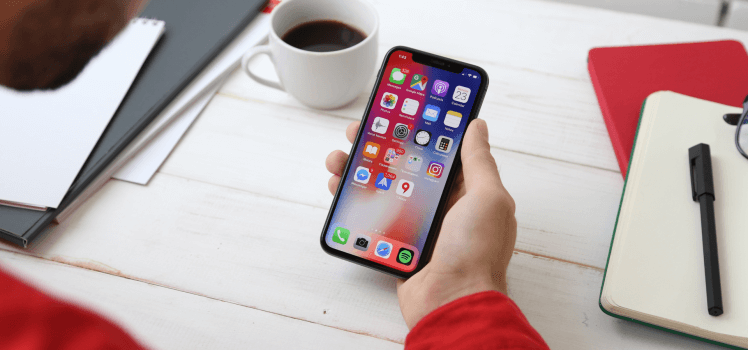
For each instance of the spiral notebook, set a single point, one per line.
(655, 270)
(46, 136)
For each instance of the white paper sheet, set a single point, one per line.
(46, 136)
(173, 122)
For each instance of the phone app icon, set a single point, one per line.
(341, 235)
(383, 250)
(362, 175)
(404, 188)
(435, 169)
(391, 156)
(440, 88)
(380, 125)
(453, 119)
(362, 242)
(410, 106)
(422, 137)
(389, 100)
(414, 163)
(401, 131)
(405, 256)
(461, 94)
(397, 76)
(419, 82)
(371, 149)
(431, 113)
(383, 183)
(444, 144)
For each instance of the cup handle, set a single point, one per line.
(257, 50)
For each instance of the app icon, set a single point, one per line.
(444, 144)
(414, 163)
(383, 183)
(401, 131)
(340, 235)
(391, 156)
(410, 106)
(431, 113)
(389, 100)
(397, 76)
(362, 242)
(405, 256)
(422, 138)
(384, 249)
(419, 82)
(440, 88)
(362, 175)
(380, 125)
(461, 94)
(371, 149)
(435, 169)
(404, 188)
(453, 119)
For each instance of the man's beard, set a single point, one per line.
(54, 40)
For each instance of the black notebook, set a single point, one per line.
(196, 31)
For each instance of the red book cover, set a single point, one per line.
(624, 76)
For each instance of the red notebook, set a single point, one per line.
(624, 76)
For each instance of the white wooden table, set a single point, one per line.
(221, 249)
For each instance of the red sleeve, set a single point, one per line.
(33, 320)
(479, 321)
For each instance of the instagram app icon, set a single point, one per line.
(435, 169)
(440, 88)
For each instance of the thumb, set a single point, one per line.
(478, 165)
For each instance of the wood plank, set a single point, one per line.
(163, 318)
(564, 210)
(208, 245)
(540, 100)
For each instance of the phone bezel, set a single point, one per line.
(428, 248)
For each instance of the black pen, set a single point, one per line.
(702, 190)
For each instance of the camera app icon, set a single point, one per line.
(435, 169)
(362, 242)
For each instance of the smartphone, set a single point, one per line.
(387, 210)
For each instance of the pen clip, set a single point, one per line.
(700, 164)
(692, 168)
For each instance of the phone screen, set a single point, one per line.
(402, 162)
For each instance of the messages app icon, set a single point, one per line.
(397, 76)
(341, 235)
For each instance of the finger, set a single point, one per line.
(352, 131)
(335, 162)
(333, 183)
(478, 165)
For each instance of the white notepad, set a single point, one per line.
(655, 271)
(46, 136)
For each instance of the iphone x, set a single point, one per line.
(388, 208)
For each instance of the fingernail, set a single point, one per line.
(482, 128)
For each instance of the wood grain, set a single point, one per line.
(163, 318)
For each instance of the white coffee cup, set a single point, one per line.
(323, 80)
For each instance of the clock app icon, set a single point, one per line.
(422, 137)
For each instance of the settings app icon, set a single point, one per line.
(401, 131)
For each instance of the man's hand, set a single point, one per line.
(477, 235)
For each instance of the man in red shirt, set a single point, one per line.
(458, 301)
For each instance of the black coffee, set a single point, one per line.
(323, 36)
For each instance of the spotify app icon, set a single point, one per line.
(405, 256)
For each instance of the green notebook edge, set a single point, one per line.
(610, 250)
